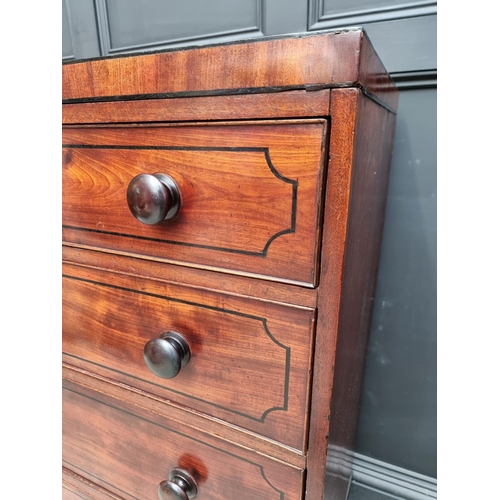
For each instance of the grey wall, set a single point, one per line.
(398, 417)
(396, 442)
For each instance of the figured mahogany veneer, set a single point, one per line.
(250, 360)
(311, 61)
(295, 104)
(260, 285)
(250, 193)
(222, 471)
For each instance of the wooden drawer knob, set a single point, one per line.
(180, 486)
(166, 355)
(153, 198)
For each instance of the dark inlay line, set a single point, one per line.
(377, 100)
(128, 375)
(272, 168)
(207, 93)
(213, 308)
(180, 243)
(169, 148)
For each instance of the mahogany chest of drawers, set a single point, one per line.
(222, 217)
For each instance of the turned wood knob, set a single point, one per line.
(153, 198)
(166, 355)
(180, 486)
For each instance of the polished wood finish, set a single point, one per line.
(281, 149)
(356, 193)
(241, 206)
(309, 61)
(136, 466)
(294, 104)
(369, 183)
(376, 83)
(250, 360)
(239, 286)
(329, 294)
(75, 487)
(187, 416)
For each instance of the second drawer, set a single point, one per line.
(249, 361)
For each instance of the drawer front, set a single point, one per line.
(75, 487)
(250, 194)
(250, 360)
(129, 455)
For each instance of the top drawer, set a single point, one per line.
(250, 194)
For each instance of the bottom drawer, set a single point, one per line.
(129, 452)
(75, 487)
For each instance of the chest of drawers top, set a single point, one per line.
(334, 59)
(222, 217)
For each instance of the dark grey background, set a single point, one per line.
(398, 414)
(397, 427)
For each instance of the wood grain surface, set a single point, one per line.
(250, 193)
(98, 444)
(344, 104)
(188, 417)
(311, 60)
(360, 152)
(294, 104)
(377, 84)
(373, 145)
(240, 286)
(281, 148)
(75, 487)
(250, 360)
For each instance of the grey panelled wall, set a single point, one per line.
(124, 26)
(396, 443)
